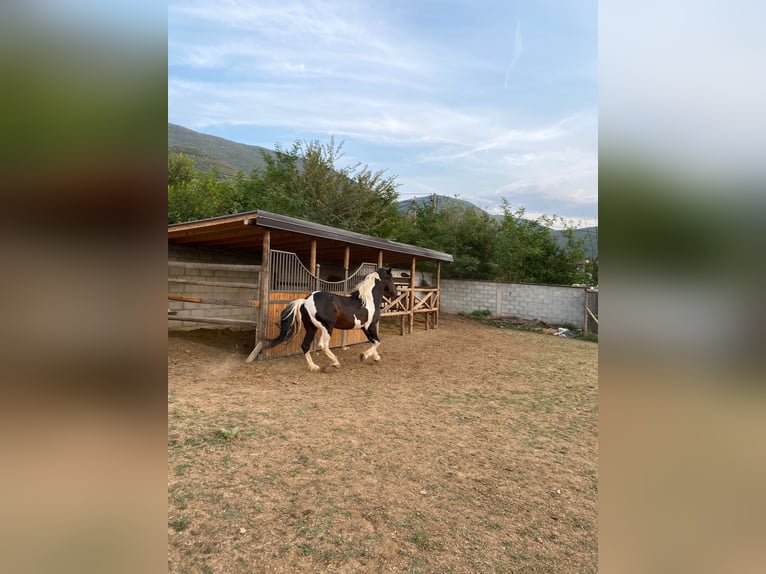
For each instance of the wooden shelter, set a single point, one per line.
(287, 259)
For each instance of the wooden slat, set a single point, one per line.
(237, 284)
(419, 302)
(215, 320)
(256, 350)
(215, 266)
(211, 301)
(396, 303)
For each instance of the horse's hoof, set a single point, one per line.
(376, 359)
(361, 357)
(336, 365)
(314, 368)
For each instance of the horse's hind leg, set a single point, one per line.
(306, 346)
(331, 355)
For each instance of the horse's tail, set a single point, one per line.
(289, 323)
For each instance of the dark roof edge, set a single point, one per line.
(293, 225)
(242, 214)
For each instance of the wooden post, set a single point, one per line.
(438, 293)
(380, 259)
(263, 313)
(346, 263)
(347, 259)
(412, 295)
(313, 260)
(585, 313)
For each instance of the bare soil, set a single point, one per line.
(466, 449)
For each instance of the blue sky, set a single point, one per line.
(482, 100)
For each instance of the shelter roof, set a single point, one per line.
(244, 232)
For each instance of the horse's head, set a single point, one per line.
(389, 287)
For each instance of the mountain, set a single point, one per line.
(211, 151)
(441, 201)
(591, 240)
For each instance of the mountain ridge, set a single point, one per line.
(209, 151)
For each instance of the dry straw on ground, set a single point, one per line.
(466, 449)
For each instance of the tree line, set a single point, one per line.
(305, 182)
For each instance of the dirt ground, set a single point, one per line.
(466, 449)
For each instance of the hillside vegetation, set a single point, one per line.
(208, 152)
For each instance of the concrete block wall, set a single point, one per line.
(553, 304)
(182, 253)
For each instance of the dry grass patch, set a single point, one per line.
(467, 449)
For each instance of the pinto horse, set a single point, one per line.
(324, 312)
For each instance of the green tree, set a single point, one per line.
(180, 169)
(306, 182)
(527, 252)
(468, 234)
(204, 195)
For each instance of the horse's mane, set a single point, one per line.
(365, 287)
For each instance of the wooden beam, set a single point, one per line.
(254, 354)
(585, 313)
(396, 314)
(263, 317)
(211, 301)
(215, 320)
(206, 233)
(313, 260)
(346, 263)
(236, 219)
(380, 258)
(237, 284)
(214, 266)
(438, 291)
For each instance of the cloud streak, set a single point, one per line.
(517, 50)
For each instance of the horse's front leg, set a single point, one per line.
(372, 336)
(325, 334)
